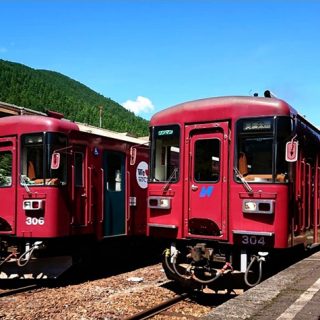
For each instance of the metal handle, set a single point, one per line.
(194, 187)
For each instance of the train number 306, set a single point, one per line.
(34, 221)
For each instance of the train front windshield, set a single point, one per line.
(165, 154)
(36, 152)
(261, 149)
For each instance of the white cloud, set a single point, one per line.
(141, 104)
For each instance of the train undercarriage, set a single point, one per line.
(76, 256)
(35, 258)
(216, 267)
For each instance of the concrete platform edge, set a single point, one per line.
(253, 301)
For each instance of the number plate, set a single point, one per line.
(32, 221)
(255, 240)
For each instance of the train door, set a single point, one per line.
(79, 186)
(114, 206)
(207, 183)
(8, 185)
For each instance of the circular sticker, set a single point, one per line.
(142, 174)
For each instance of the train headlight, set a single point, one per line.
(249, 206)
(33, 204)
(258, 206)
(27, 205)
(159, 202)
(164, 203)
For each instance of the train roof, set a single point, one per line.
(20, 124)
(111, 134)
(222, 108)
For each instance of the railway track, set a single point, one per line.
(113, 297)
(12, 292)
(148, 313)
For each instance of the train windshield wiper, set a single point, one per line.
(24, 182)
(173, 175)
(243, 180)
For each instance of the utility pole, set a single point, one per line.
(100, 115)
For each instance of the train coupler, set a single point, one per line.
(260, 258)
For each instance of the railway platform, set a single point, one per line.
(293, 293)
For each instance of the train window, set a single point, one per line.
(56, 141)
(32, 157)
(5, 169)
(78, 169)
(165, 154)
(283, 134)
(207, 160)
(261, 149)
(36, 155)
(259, 154)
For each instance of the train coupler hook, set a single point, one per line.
(27, 255)
(260, 258)
(226, 267)
(11, 255)
(262, 255)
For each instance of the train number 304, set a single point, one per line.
(253, 240)
(34, 221)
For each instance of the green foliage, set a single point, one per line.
(47, 90)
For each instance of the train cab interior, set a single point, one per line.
(261, 150)
(36, 153)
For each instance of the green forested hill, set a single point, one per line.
(42, 90)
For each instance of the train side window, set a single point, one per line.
(78, 169)
(5, 169)
(284, 125)
(57, 176)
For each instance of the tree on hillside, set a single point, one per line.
(42, 90)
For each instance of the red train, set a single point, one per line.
(233, 181)
(64, 186)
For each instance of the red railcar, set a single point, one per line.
(232, 179)
(62, 186)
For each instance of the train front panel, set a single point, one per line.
(64, 188)
(223, 175)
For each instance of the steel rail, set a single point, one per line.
(18, 290)
(148, 313)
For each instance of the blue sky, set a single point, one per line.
(149, 55)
